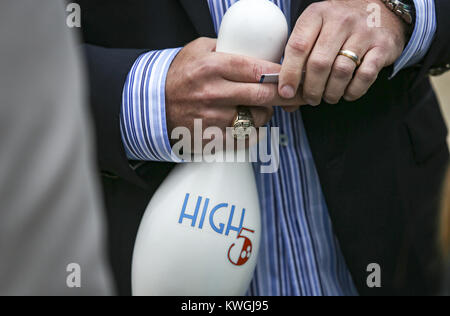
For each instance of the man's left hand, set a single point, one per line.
(322, 31)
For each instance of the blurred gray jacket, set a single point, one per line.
(50, 213)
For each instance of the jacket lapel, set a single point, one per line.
(198, 12)
(297, 7)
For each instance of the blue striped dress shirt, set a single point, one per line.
(299, 254)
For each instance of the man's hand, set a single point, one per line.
(204, 84)
(321, 32)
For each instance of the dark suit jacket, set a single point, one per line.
(380, 159)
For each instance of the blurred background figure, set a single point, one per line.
(441, 84)
(445, 231)
(51, 221)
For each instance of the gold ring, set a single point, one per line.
(351, 55)
(243, 123)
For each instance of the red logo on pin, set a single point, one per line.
(246, 251)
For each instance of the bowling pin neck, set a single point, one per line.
(235, 156)
(254, 28)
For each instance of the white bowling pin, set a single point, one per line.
(201, 232)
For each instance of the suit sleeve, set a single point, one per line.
(438, 56)
(108, 69)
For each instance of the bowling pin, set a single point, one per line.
(200, 234)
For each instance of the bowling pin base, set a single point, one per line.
(200, 234)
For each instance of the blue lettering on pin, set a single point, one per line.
(191, 217)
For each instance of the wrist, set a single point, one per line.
(405, 10)
(394, 24)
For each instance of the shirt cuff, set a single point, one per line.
(422, 36)
(143, 117)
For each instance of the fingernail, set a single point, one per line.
(287, 92)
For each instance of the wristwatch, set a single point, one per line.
(404, 9)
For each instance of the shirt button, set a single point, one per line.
(284, 140)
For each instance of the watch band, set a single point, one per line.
(402, 9)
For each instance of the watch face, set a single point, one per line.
(409, 4)
(404, 9)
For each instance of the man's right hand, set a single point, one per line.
(204, 84)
